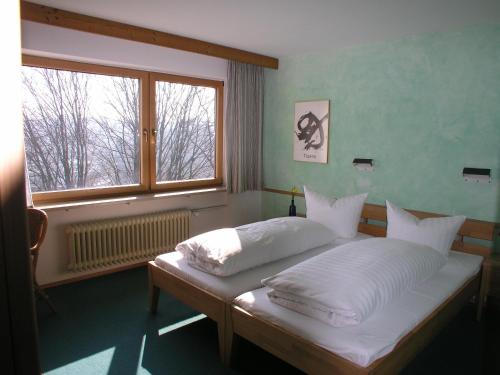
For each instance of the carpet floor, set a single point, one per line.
(102, 326)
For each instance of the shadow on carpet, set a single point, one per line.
(102, 326)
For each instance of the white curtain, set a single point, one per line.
(245, 96)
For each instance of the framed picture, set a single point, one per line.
(310, 128)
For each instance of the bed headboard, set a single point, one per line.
(477, 229)
(374, 222)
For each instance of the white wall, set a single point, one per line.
(50, 41)
(57, 42)
(236, 210)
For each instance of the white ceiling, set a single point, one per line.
(288, 27)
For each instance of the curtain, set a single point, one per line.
(245, 96)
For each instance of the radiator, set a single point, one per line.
(138, 238)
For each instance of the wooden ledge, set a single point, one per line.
(130, 199)
(81, 22)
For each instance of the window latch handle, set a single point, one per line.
(145, 134)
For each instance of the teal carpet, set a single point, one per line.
(102, 326)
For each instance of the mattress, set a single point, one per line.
(379, 333)
(231, 286)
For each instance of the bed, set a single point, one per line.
(212, 295)
(389, 339)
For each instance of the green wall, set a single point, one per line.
(422, 107)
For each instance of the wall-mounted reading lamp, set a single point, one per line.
(477, 174)
(363, 164)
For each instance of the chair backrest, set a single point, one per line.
(37, 222)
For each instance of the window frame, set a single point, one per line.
(202, 182)
(147, 107)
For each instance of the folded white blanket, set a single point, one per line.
(345, 285)
(224, 252)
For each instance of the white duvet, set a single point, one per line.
(227, 251)
(347, 284)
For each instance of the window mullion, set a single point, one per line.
(151, 130)
(144, 134)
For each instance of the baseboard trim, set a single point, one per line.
(92, 275)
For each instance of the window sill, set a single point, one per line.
(128, 199)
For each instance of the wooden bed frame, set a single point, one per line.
(215, 307)
(314, 359)
(291, 348)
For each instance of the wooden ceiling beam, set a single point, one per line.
(81, 22)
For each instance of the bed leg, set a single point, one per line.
(221, 331)
(231, 340)
(231, 349)
(479, 310)
(154, 294)
(482, 290)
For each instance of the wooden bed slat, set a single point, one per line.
(291, 348)
(315, 359)
(478, 229)
(372, 230)
(414, 341)
(466, 247)
(483, 230)
(374, 212)
(471, 248)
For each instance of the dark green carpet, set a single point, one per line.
(102, 326)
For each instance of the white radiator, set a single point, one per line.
(114, 241)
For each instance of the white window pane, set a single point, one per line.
(81, 130)
(185, 124)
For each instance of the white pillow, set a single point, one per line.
(226, 251)
(340, 215)
(437, 233)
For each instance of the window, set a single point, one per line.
(97, 131)
(185, 121)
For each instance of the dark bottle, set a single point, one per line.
(292, 211)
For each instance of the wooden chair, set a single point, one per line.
(37, 223)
